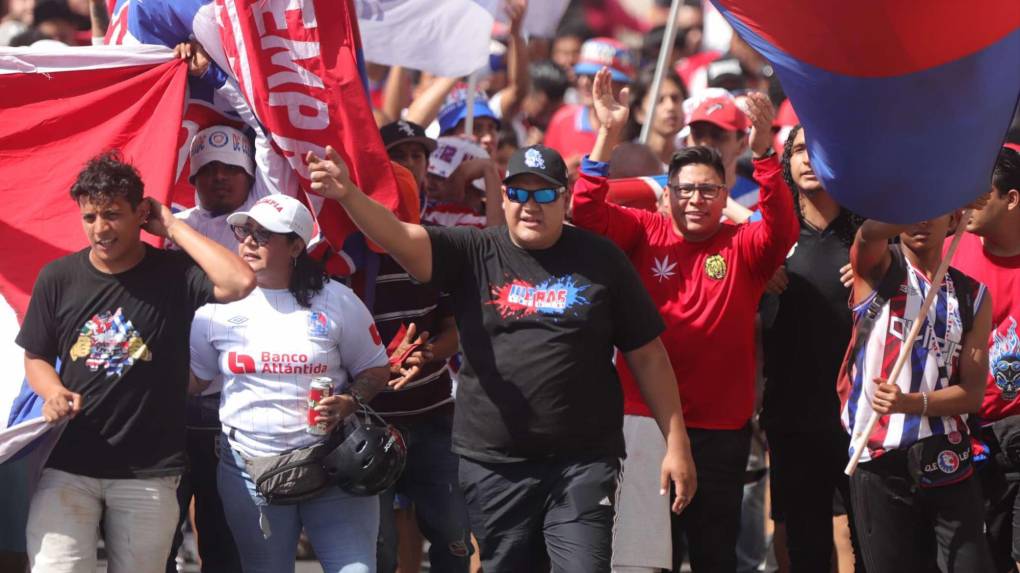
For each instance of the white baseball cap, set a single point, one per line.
(224, 144)
(280, 214)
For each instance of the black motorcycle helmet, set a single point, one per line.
(370, 457)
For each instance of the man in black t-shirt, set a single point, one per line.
(117, 316)
(540, 307)
(803, 350)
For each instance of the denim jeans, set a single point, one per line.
(138, 517)
(430, 481)
(341, 527)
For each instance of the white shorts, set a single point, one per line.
(641, 534)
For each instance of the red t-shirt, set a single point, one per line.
(1002, 277)
(707, 292)
(570, 132)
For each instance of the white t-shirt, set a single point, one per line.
(268, 349)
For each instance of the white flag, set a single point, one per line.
(541, 19)
(447, 38)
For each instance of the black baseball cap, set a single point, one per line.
(401, 131)
(538, 160)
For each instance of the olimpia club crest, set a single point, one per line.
(1004, 362)
(109, 340)
(715, 267)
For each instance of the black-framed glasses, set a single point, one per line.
(261, 236)
(708, 191)
(541, 196)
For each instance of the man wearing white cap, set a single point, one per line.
(458, 169)
(223, 173)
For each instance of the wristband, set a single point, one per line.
(924, 399)
(766, 155)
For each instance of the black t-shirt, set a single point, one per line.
(805, 345)
(122, 342)
(537, 329)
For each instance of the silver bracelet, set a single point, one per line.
(924, 409)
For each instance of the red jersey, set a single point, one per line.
(1002, 277)
(707, 292)
(570, 132)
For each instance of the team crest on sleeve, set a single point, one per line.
(109, 340)
(555, 296)
(318, 325)
(715, 267)
(533, 159)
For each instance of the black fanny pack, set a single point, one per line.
(941, 460)
(290, 477)
(1007, 434)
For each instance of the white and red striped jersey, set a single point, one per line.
(932, 364)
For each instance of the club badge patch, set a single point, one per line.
(948, 461)
(715, 267)
(317, 324)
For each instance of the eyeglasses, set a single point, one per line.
(541, 196)
(261, 236)
(708, 191)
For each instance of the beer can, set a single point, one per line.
(321, 387)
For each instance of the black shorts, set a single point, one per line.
(533, 514)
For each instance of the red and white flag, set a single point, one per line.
(59, 107)
(296, 64)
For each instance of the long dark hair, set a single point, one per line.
(307, 278)
(846, 223)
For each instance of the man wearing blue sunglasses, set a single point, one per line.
(540, 306)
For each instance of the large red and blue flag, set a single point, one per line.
(904, 104)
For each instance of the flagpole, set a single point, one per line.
(469, 119)
(660, 69)
(860, 440)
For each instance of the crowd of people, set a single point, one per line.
(581, 378)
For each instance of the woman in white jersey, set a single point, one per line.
(296, 326)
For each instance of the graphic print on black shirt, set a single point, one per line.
(554, 296)
(111, 342)
(538, 330)
(122, 343)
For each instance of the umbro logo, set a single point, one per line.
(238, 320)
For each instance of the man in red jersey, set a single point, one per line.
(990, 252)
(706, 279)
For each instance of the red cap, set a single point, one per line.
(785, 116)
(722, 112)
(1014, 146)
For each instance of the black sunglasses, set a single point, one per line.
(261, 236)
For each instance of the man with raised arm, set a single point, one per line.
(117, 316)
(706, 278)
(540, 307)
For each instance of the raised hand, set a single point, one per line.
(159, 220)
(612, 114)
(330, 176)
(760, 111)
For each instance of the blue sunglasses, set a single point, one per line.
(541, 196)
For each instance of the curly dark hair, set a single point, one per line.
(846, 223)
(307, 278)
(106, 177)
